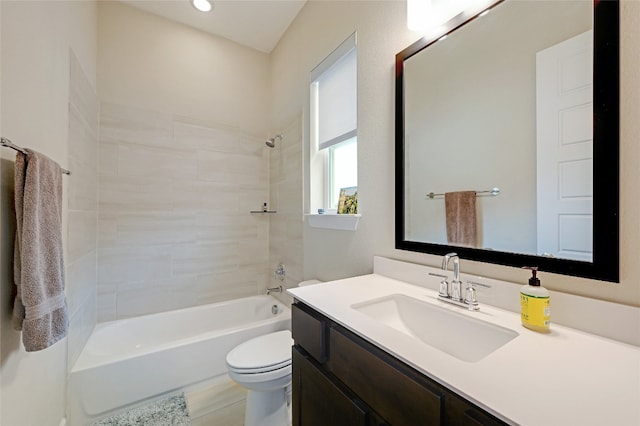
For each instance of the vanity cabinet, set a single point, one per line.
(341, 379)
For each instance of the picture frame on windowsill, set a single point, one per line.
(348, 200)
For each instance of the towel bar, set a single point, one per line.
(6, 142)
(492, 192)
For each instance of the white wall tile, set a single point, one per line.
(108, 158)
(83, 226)
(106, 302)
(174, 226)
(82, 213)
(244, 171)
(125, 124)
(209, 196)
(231, 285)
(82, 95)
(141, 298)
(133, 264)
(81, 278)
(118, 193)
(204, 258)
(81, 325)
(286, 227)
(83, 191)
(138, 160)
(155, 228)
(199, 137)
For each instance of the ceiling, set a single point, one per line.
(258, 24)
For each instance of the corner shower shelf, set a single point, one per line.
(262, 211)
(342, 222)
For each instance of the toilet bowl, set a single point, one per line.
(263, 366)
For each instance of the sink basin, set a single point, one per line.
(468, 339)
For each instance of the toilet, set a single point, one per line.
(262, 365)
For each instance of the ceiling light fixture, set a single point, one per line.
(418, 14)
(202, 5)
(428, 15)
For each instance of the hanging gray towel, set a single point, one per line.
(40, 308)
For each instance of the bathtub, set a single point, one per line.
(131, 361)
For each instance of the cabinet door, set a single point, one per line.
(319, 402)
(382, 382)
(308, 330)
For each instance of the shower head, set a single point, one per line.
(271, 142)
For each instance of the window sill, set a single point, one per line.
(342, 222)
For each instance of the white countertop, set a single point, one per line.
(563, 378)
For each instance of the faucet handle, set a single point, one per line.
(470, 298)
(438, 275)
(472, 283)
(443, 291)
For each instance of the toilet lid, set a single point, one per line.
(263, 353)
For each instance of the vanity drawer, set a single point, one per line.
(310, 332)
(461, 412)
(396, 393)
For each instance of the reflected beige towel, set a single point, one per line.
(460, 209)
(40, 309)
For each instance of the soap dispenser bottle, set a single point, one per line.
(535, 309)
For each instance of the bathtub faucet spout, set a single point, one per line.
(278, 289)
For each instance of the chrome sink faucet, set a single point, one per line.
(452, 293)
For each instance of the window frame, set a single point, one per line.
(325, 150)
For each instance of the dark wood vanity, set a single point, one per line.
(341, 379)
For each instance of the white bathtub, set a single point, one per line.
(126, 362)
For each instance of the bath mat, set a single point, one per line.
(167, 412)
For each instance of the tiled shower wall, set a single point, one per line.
(285, 236)
(174, 223)
(82, 186)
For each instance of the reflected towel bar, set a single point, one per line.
(491, 192)
(6, 142)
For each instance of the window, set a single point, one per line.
(333, 125)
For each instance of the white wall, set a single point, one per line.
(319, 28)
(149, 62)
(381, 26)
(37, 38)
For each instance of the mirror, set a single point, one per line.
(516, 111)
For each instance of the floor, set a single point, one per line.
(170, 411)
(222, 405)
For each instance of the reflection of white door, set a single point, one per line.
(564, 93)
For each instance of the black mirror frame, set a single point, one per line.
(606, 160)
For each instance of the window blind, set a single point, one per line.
(336, 85)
